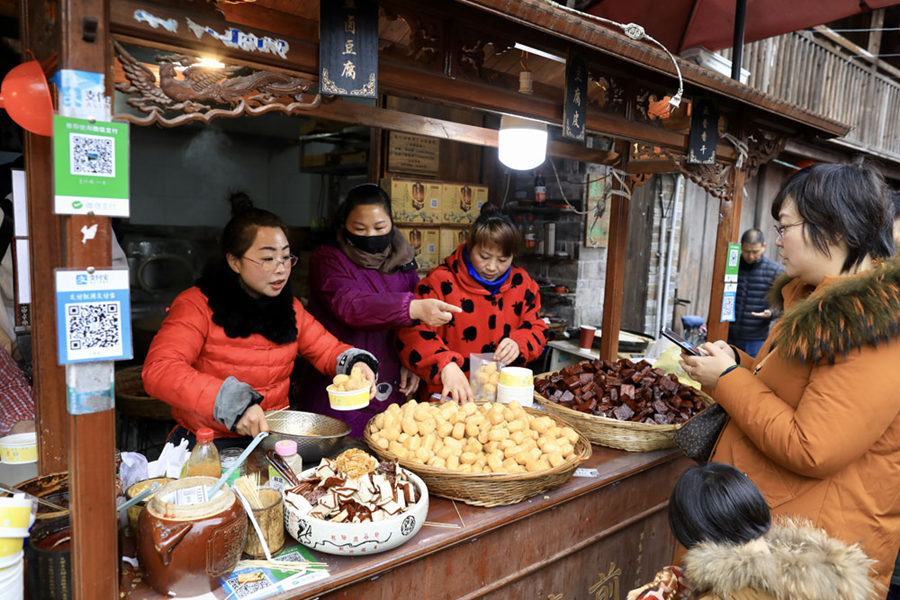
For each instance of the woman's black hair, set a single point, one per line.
(240, 231)
(842, 202)
(363, 194)
(717, 503)
(494, 227)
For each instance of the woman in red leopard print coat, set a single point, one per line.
(501, 311)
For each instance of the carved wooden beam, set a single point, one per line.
(715, 179)
(204, 93)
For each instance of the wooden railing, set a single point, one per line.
(826, 74)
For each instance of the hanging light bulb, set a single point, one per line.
(523, 143)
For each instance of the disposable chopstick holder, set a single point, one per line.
(237, 464)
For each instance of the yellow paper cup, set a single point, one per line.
(15, 516)
(352, 400)
(19, 448)
(10, 546)
(11, 560)
(513, 377)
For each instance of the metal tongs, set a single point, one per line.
(13, 490)
(279, 464)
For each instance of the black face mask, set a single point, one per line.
(373, 244)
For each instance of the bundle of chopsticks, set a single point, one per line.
(282, 565)
(248, 486)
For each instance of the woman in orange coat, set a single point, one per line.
(225, 351)
(815, 417)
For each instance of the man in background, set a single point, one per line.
(752, 314)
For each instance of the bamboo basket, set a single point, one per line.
(490, 489)
(133, 401)
(613, 433)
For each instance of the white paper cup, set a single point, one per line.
(522, 395)
(12, 580)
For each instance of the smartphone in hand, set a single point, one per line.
(682, 343)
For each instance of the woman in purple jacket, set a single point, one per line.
(362, 290)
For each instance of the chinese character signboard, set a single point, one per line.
(93, 315)
(576, 98)
(90, 167)
(704, 132)
(348, 48)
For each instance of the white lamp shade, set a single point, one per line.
(522, 143)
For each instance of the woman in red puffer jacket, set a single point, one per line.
(225, 352)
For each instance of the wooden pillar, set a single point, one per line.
(615, 267)
(92, 437)
(727, 232)
(51, 418)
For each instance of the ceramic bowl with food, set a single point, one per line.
(353, 539)
(316, 435)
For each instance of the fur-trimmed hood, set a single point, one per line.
(841, 314)
(802, 563)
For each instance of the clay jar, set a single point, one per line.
(183, 550)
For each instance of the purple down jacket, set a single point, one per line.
(361, 307)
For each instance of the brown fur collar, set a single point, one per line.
(801, 562)
(850, 313)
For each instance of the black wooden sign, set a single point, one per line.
(348, 48)
(704, 132)
(576, 98)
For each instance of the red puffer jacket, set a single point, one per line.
(513, 312)
(191, 356)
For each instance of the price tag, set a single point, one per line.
(582, 472)
(191, 495)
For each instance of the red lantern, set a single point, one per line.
(25, 95)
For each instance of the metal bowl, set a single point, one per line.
(316, 435)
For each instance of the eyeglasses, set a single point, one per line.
(271, 264)
(779, 229)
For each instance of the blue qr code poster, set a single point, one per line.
(93, 312)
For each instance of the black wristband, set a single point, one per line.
(728, 370)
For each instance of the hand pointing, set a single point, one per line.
(432, 312)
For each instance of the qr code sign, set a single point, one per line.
(92, 155)
(93, 327)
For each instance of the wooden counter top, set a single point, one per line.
(502, 544)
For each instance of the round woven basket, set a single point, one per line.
(490, 489)
(613, 433)
(133, 401)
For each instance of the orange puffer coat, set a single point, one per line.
(191, 356)
(818, 427)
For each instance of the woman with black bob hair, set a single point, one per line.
(734, 552)
(500, 304)
(815, 416)
(362, 291)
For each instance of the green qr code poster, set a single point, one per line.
(90, 167)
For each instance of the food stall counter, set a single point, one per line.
(597, 536)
